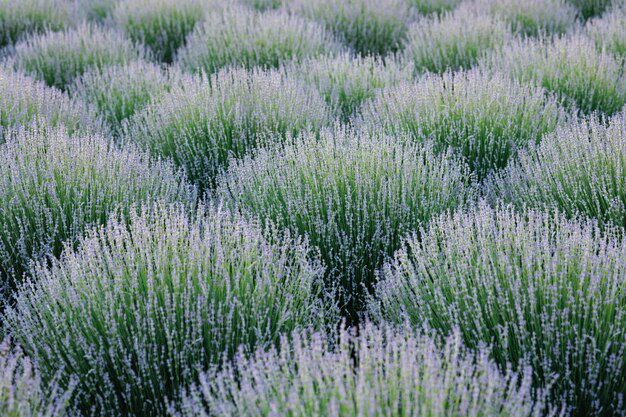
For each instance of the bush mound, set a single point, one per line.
(346, 81)
(119, 91)
(453, 40)
(23, 99)
(591, 8)
(204, 121)
(580, 170)
(433, 6)
(485, 117)
(53, 186)
(235, 35)
(397, 373)
(161, 25)
(58, 57)
(22, 393)
(367, 26)
(353, 195)
(538, 287)
(533, 17)
(571, 67)
(609, 31)
(149, 298)
(20, 17)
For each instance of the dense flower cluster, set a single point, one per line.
(538, 287)
(23, 99)
(204, 121)
(377, 372)
(53, 186)
(581, 170)
(585, 77)
(366, 26)
(22, 393)
(58, 57)
(486, 117)
(354, 196)
(119, 91)
(453, 40)
(161, 25)
(233, 34)
(149, 298)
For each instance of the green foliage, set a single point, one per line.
(205, 121)
(453, 40)
(152, 297)
(580, 170)
(533, 17)
(119, 91)
(53, 186)
(539, 288)
(367, 26)
(346, 82)
(353, 195)
(486, 118)
(21, 391)
(377, 372)
(21, 17)
(584, 77)
(23, 99)
(161, 25)
(235, 35)
(58, 57)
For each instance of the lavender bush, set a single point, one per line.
(434, 6)
(453, 40)
(20, 17)
(346, 81)
(23, 99)
(367, 26)
(353, 195)
(140, 306)
(609, 31)
(161, 25)
(235, 35)
(540, 288)
(579, 170)
(486, 117)
(396, 374)
(119, 91)
(533, 17)
(22, 393)
(53, 186)
(58, 57)
(585, 77)
(590, 8)
(204, 121)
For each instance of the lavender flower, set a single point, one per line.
(453, 40)
(354, 196)
(53, 186)
(367, 26)
(58, 57)
(584, 77)
(204, 121)
(23, 99)
(148, 299)
(397, 373)
(487, 118)
(161, 25)
(22, 393)
(539, 288)
(235, 35)
(579, 170)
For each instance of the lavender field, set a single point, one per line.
(302, 208)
